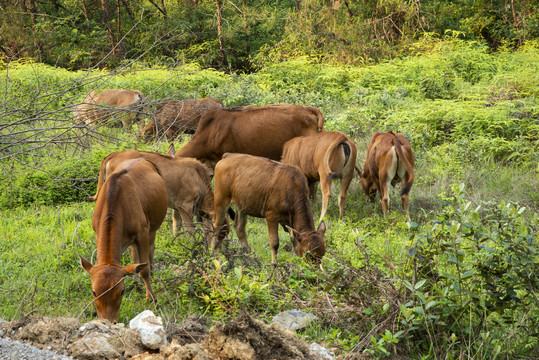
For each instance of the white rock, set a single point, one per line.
(150, 328)
(293, 319)
(322, 352)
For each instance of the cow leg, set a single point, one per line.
(384, 187)
(240, 222)
(325, 185)
(176, 221)
(134, 254)
(273, 230)
(345, 184)
(405, 197)
(144, 250)
(221, 205)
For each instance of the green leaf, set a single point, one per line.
(419, 284)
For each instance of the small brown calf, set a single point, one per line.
(267, 189)
(188, 185)
(323, 157)
(100, 105)
(178, 116)
(131, 208)
(389, 160)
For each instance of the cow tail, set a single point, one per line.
(100, 179)
(409, 168)
(341, 140)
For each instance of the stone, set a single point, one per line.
(293, 319)
(321, 352)
(150, 328)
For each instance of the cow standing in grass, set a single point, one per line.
(323, 157)
(101, 105)
(175, 117)
(389, 160)
(130, 209)
(267, 189)
(188, 185)
(254, 130)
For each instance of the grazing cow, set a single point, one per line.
(254, 130)
(323, 157)
(107, 103)
(129, 212)
(267, 189)
(175, 117)
(188, 185)
(389, 160)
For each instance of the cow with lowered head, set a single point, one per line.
(187, 180)
(100, 105)
(389, 160)
(254, 130)
(178, 116)
(267, 189)
(323, 157)
(128, 212)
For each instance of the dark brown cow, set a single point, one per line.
(254, 130)
(178, 116)
(187, 180)
(129, 212)
(389, 160)
(323, 157)
(267, 189)
(100, 105)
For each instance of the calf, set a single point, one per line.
(389, 160)
(267, 189)
(129, 212)
(187, 182)
(100, 105)
(323, 157)
(254, 130)
(179, 116)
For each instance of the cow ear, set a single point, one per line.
(134, 268)
(293, 233)
(171, 150)
(86, 265)
(321, 228)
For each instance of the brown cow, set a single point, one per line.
(389, 160)
(323, 157)
(254, 130)
(267, 189)
(179, 116)
(106, 103)
(131, 209)
(187, 180)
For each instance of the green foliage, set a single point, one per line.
(472, 270)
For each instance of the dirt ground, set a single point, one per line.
(243, 338)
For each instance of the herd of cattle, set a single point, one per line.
(267, 160)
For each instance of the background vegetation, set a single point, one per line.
(245, 35)
(458, 281)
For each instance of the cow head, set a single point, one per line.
(309, 243)
(108, 286)
(367, 183)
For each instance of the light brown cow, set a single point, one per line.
(179, 116)
(389, 160)
(254, 130)
(101, 105)
(129, 212)
(267, 189)
(187, 180)
(323, 157)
